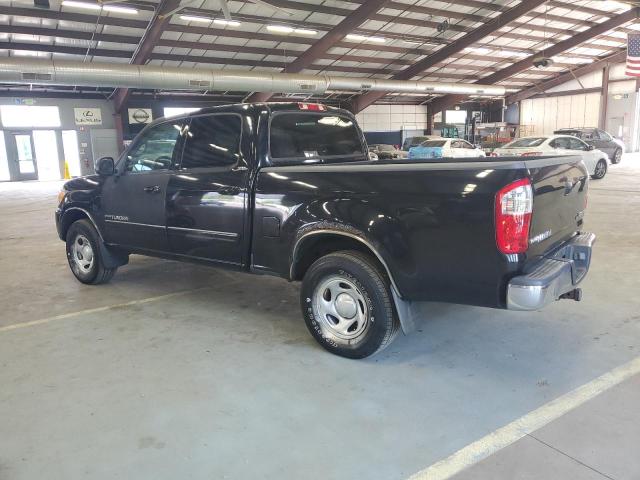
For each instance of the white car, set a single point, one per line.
(445, 147)
(596, 161)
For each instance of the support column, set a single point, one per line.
(429, 120)
(604, 98)
(117, 120)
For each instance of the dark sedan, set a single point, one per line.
(387, 152)
(600, 139)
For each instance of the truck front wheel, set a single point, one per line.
(83, 254)
(347, 304)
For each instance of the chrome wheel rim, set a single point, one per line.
(82, 254)
(340, 308)
(600, 169)
(618, 155)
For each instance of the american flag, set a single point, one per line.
(633, 55)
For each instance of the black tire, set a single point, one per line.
(375, 324)
(90, 272)
(617, 156)
(600, 170)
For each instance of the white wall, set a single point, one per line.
(551, 113)
(384, 118)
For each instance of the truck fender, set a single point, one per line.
(111, 257)
(406, 310)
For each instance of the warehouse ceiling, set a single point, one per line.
(278, 35)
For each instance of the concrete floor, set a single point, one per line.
(222, 380)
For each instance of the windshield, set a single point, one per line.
(313, 136)
(413, 142)
(526, 142)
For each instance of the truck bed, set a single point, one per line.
(432, 220)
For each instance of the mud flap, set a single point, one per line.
(407, 312)
(112, 257)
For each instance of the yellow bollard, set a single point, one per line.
(67, 175)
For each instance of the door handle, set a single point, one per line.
(152, 189)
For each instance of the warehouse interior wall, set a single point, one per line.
(548, 114)
(57, 140)
(384, 118)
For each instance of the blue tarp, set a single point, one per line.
(425, 152)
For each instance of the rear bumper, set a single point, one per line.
(555, 275)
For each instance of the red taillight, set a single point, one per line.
(514, 204)
(312, 107)
(531, 154)
(493, 154)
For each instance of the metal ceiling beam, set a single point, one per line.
(329, 40)
(157, 25)
(447, 101)
(567, 77)
(363, 101)
(406, 20)
(269, 37)
(220, 47)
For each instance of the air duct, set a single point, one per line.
(95, 74)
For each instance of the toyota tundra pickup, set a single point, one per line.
(289, 190)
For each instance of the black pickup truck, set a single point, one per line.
(289, 190)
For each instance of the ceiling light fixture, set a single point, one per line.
(228, 23)
(193, 18)
(119, 9)
(364, 38)
(217, 21)
(479, 50)
(279, 29)
(286, 29)
(305, 31)
(96, 6)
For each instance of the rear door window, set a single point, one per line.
(562, 142)
(212, 141)
(575, 144)
(310, 136)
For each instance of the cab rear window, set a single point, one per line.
(309, 136)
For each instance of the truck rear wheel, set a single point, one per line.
(347, 304)
(83, 254)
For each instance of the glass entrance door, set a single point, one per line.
(24, 155)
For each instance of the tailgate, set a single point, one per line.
(560, 187)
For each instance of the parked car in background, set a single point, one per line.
(600, 139)
(415, 141)
(445, 147)
(596, 160)
(387, 152)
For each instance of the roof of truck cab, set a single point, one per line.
(243, 107)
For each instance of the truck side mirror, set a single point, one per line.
(105, 166)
